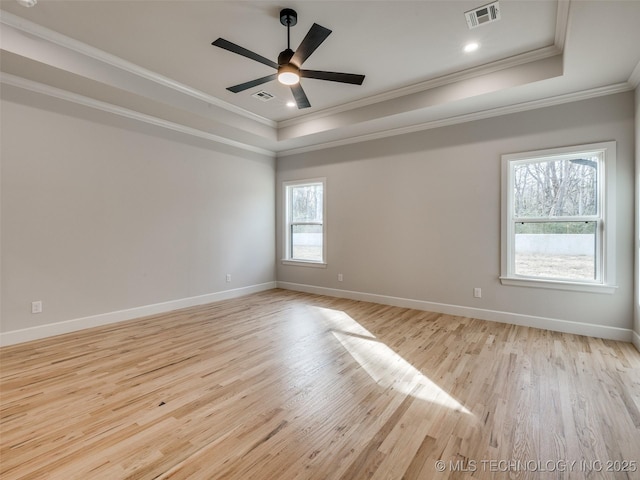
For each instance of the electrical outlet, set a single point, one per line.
(339, 277)
(477, 292)
(228, 278)
(36, 307)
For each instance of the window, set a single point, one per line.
(558, 221)
(305, 234)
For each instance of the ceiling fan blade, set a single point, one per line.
(258, 81)
(315, 36)
(301, 98)
(333, 76)
(232, 47)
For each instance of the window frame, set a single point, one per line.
(287, 208)
(605, 281)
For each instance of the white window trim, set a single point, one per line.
(607, 197)
(287, 260)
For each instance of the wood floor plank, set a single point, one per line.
(285, 385)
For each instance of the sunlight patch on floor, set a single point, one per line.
(384, 366)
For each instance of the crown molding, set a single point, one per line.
(562, 22)
(634, 78)
(36, 87)
(563, 10)
(56, 38)
(43, 89)
(451, 78)
(60, 40)
(470, 117)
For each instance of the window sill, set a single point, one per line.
(558, 285)
(304, 263)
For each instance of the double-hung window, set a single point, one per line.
(558, 221)
(305, 233)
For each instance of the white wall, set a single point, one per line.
(102, 214)
(418, 216)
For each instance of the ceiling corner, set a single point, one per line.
(634, 78)
(562, 22)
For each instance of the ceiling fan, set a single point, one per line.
(289, 64)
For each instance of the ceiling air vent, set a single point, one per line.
(485, 14)
(264, 96)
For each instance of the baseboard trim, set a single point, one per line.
(68, 326)
(565, 326)
(636, 340)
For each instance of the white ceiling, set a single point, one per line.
(153, 60)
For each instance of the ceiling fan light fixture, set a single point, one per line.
(288, 74)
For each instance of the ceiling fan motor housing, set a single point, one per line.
(288, 17)
(285, 56)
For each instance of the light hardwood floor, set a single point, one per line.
(283, 385)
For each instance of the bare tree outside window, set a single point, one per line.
(555, 203)
(306, 223)
(556, 188)
(559, 218)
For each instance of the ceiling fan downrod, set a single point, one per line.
(288, 18)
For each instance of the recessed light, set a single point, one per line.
(27, 3)
(291, 104)
(471, 47)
